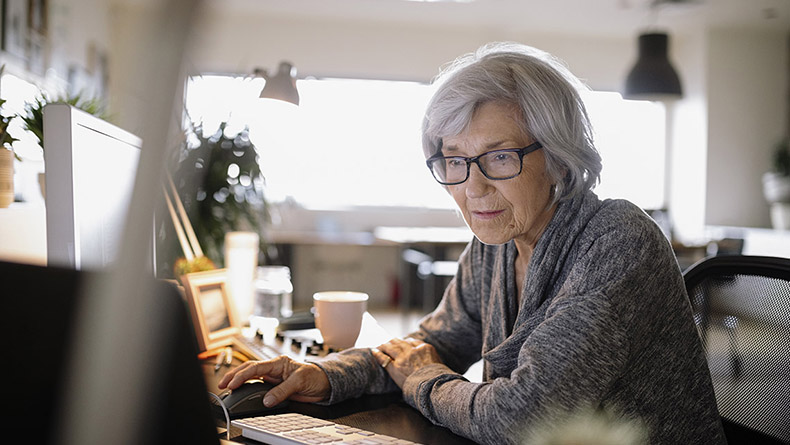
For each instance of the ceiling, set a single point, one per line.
(602, 17)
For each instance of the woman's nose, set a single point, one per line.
(477, 184)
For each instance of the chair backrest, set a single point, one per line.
(742, 309)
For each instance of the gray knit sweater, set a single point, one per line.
(604, 322)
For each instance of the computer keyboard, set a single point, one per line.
(255, 347)
(295, 429)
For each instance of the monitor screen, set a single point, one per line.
(90, 168)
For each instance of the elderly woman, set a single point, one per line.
(573, 303)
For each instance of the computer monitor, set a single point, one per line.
(90, 168)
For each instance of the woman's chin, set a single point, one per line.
(486, 237)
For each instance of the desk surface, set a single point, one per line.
(384, 414)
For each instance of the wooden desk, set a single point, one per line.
(384, 414)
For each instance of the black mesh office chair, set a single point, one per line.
(742, 309)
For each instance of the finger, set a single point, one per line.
(226, 379)
(303, 384)
(242, 375)
(382, 358)
(388, 350)
(387, 362)
(395, 347)
(269, 369)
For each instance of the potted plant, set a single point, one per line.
(220, 184)
(776, 186)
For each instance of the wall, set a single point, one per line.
(747, 107)
(77, 31)
(383, 50)
(80, 36)
(228, 43)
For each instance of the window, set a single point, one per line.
(357, 142)
(630, 136)
(17, 92)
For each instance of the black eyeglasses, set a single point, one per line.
(495, 164)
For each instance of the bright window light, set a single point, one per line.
(630, 136)
(357, 142)
(17, 92)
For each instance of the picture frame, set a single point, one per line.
(37, 19)
(15, 27)
(2, 25)
(211, 308)
(37, 23)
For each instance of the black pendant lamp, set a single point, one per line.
(653, 76)
(282, 85)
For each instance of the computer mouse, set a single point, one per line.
(247, 399)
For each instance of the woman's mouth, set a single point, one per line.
(487, 215)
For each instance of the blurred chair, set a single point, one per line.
(726, 246)
(433, 274)
(741, 307)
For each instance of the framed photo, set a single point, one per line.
(211, 307)
(37, 36)
(37, 16)
(15, 27)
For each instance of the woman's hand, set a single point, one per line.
(301, 382)
(402, 357)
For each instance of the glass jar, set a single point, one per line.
(273, 292)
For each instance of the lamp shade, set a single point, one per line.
(282, 85)
(653, 76)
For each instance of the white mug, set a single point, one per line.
(338, 315)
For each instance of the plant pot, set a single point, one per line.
(6, 177)
(780, 215)
(776, 187)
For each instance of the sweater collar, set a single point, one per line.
(554, 247)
